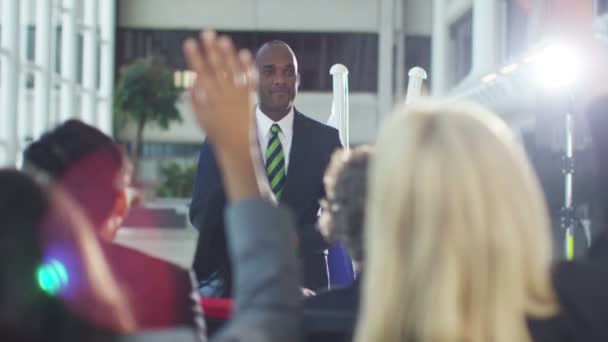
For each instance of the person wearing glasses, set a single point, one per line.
(331, 315)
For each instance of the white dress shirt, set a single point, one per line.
(285, 136)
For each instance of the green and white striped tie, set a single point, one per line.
(275, 162)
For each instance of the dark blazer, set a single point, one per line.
(332, 315)
(583, 299)
(211, 259)
(311, 148)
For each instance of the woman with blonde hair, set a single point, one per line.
(457, 233)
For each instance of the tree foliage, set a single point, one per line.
(177, 181)
(145, 94)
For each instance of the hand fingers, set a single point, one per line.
(218, 66)
(194, 56)
(248, 67)
(196, 60)
(213, 52)
(197, 100)
(197, 107)
(239, 68)
(235, 73)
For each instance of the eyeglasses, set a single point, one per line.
(329, 205)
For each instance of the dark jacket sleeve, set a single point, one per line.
(581, 290)
(309, 234)
(211, 261)
(207, 181)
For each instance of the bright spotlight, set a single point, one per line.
(556, 67)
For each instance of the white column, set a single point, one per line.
(55, 85)
(90, 61)
(24, 117)
(42, 78)
(385, 57)
(108, 28)
(10, 77)
(340, 116)
(417, 75)
(439, 69)
(400, 72)
(486, 36)
(68, 60)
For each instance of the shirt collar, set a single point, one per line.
(264, 122)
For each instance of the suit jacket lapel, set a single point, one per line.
(260, 151)
(295, 159)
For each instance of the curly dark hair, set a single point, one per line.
(346, 187)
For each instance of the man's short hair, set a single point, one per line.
(272, 43)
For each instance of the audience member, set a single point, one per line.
(332, 314)
(95, 171)
(36, 305)
(457, 235)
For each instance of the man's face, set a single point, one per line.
(279, 79)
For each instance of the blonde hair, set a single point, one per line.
(457, 232)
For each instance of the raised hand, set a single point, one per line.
(221, 95)
(223, 106)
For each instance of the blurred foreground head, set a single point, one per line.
(90, 166)
(22, 207)
(457, 232)
(54, 280)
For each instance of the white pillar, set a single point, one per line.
(55, 85)
(68, 60)
(417, 75)
(25, 114)
(340, 115)
(385, 57)
(108, 28)
(9, 89)
(400, 50)
(90, 61)
(486, 36)
(439, 68)
(42, 78)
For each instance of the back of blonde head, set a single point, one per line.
(457, 232)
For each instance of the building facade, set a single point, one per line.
(377, 40)
(56, 62)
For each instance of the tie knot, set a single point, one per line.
(275, 129)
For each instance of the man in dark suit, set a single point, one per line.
(295, 150)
